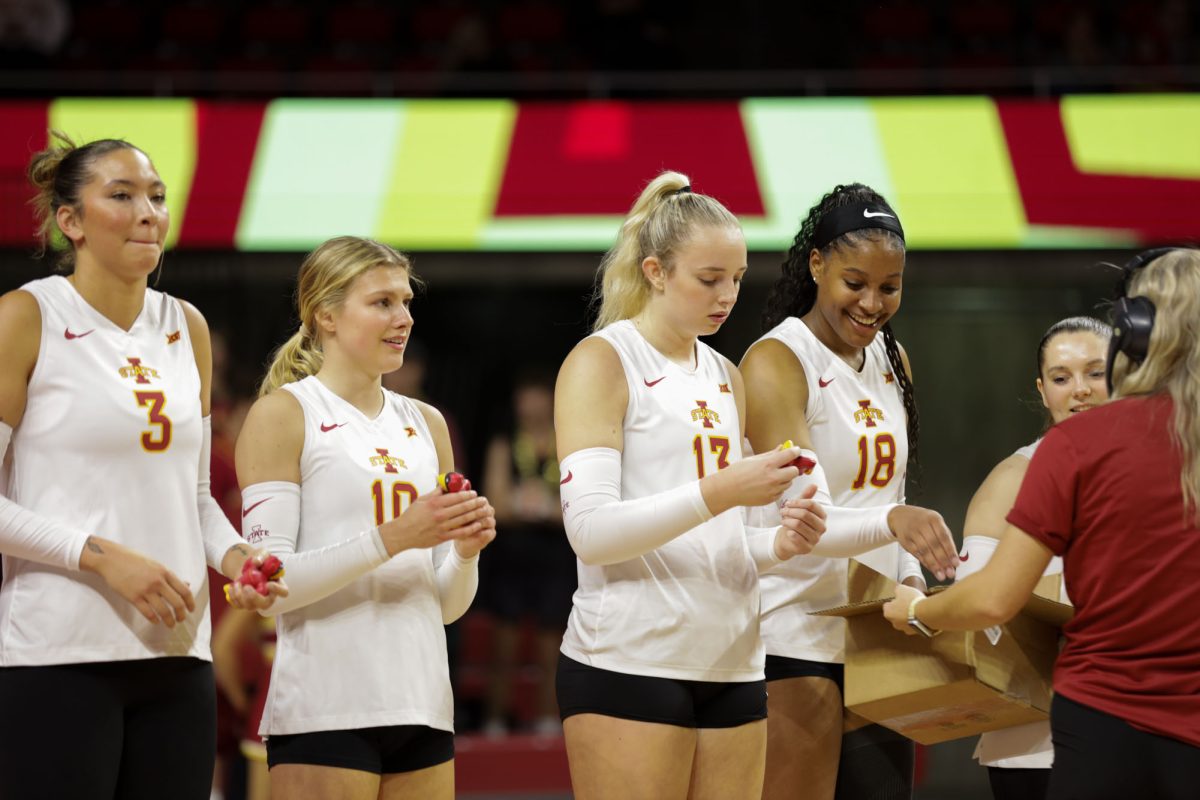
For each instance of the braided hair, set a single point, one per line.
(795, 292)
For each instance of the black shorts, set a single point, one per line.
(382, 751)
(781, 667)
(112, 729)
(690, 704)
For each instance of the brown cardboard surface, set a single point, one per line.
(956, 684)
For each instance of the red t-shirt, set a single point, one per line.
(1103, 492)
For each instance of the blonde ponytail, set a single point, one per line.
(294, 360)
(662, 218)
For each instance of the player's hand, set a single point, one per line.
(753, 481)
(157, 593)
(896, 611)
(435, 518)
(469, 546)
(924, 534)
(803, 524)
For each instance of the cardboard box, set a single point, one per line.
(957, 684)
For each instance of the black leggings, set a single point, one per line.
(1100, 757)
(1018, 783)
(111, 730)
(876, 764)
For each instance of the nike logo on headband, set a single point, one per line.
(869, 214)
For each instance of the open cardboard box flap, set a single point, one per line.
(956, 684)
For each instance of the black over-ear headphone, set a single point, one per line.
(1132, 317)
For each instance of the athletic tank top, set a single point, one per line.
(689, 609)
(110, 444)
(372, 653)
(859, 432)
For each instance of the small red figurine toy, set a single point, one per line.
(802, 463)
(453, 482)
(257, 576)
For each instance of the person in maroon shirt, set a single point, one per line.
(1114, 492)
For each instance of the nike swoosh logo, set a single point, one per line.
(869, 214)
(253, 506)
(569, 476)
(651, 383)
(964, 557)
(823, 383)
(67, 333)
(327, 428)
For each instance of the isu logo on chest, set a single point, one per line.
(867, 414)
(705, 415)
(388, 462)
(138, 371)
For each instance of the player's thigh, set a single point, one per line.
(430, 783)
(729, 762)
(804, 738)
(314, 782)
(612, 757)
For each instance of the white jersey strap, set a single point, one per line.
(603, 528)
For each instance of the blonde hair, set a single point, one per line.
(1172, 364)
(58, 175)
(663, 218)
(324, 281)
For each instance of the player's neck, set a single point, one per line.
(358, 388)
(118, 300)
(677, 347)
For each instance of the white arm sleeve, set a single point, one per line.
(854, 531)
(28, 535)
(271, 519)
(848, 531)
(909, 566)
(603, 528)
(976, 552)
(218, 535)
(761, 542)
(457, 580)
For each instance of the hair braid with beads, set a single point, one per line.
(795, 292)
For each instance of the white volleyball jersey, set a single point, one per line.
(689, 609)
(110, 444)
(1023, 746)
(859, 432)
(372, 653)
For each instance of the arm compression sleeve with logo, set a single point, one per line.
(271, 519)
(603, 528)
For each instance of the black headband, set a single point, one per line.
(855, 217)
(682, 190)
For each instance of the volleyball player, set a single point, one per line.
(829, 375)
(338, 477)
(106, 518)
(660, 682)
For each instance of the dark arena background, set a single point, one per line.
(1026, 145)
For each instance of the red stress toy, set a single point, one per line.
(257, 576)
(453, 482)
(802, 463)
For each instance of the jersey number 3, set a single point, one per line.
(155, 441)
(885, 461)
